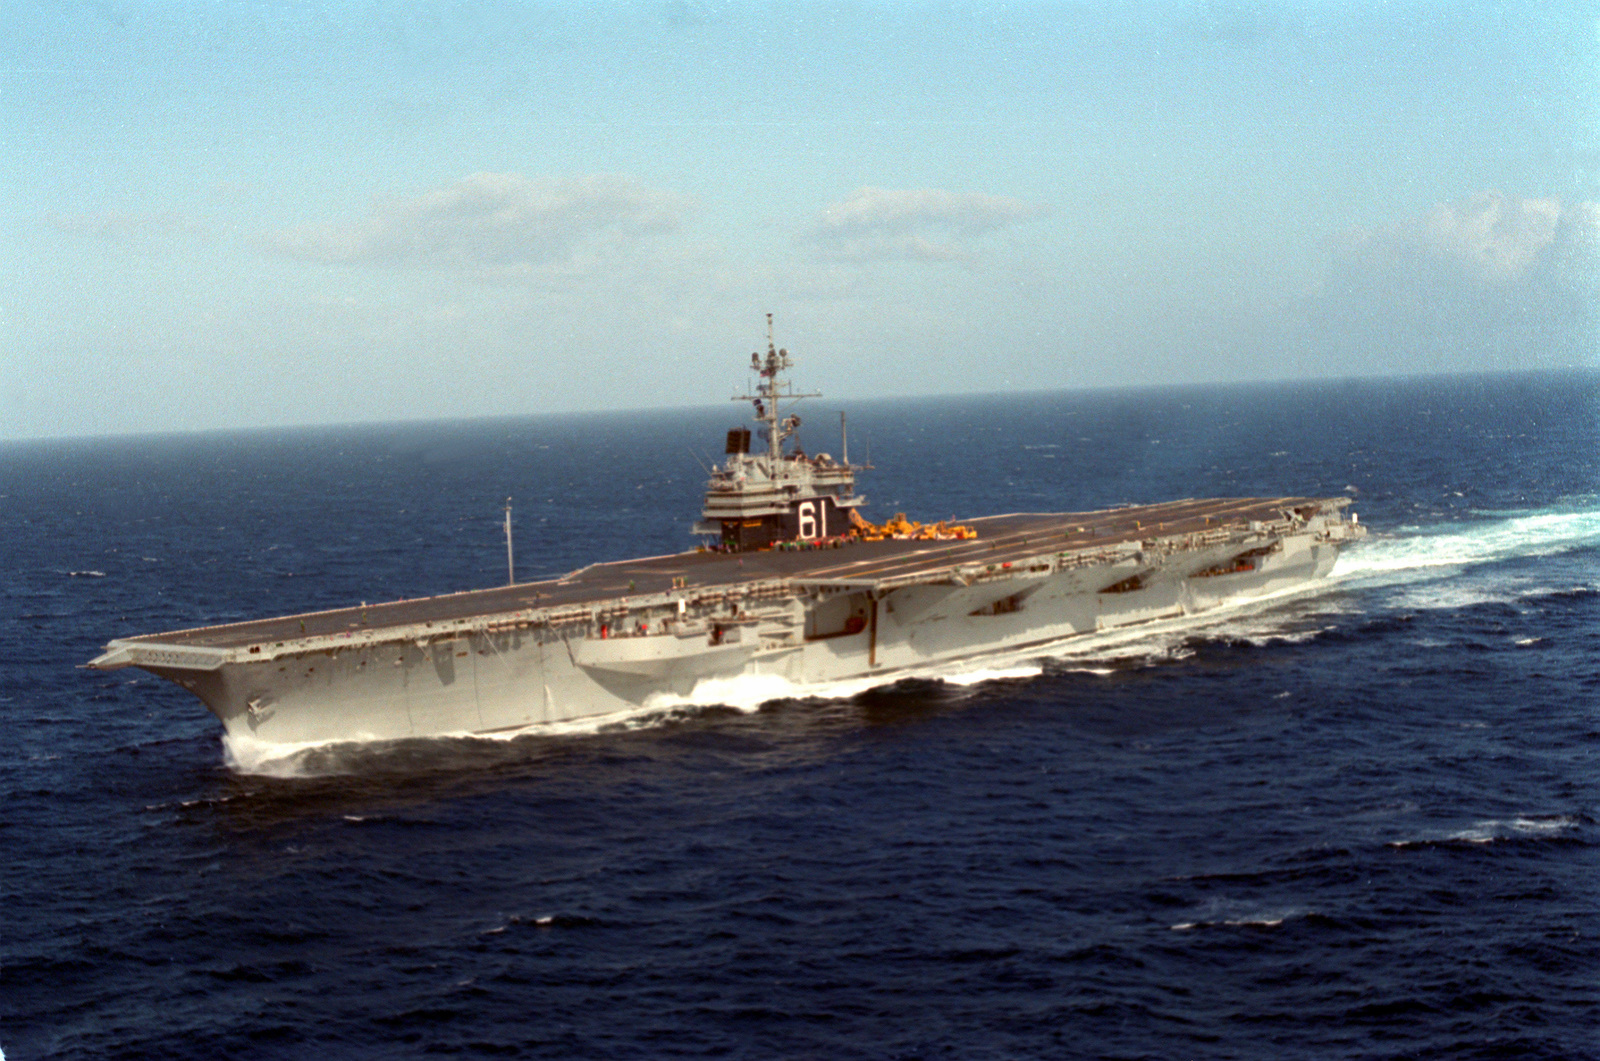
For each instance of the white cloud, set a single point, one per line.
(1495, 237)
(1490, 237)
(1491, 281)
(917, 224)
(493, 222)
(123, 225)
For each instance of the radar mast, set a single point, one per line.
(770, 391)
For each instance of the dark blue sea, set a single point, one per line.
(1360, 822)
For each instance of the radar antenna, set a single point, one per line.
(768, 392)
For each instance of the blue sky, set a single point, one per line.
(223, 215)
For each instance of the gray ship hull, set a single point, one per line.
(614, 638)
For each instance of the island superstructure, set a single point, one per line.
(758, 500)
(792, 582)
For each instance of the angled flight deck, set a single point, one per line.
(1001, 540)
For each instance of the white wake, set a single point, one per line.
(1451, 565)
(1455, 545)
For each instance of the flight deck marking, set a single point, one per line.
(1014, 537)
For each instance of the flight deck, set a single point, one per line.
(1002, 540)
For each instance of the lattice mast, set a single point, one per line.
(771, 391)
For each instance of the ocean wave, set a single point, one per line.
(541, 921)
(1436, 594)
(258, 758)
(1241, 915)
(1496, 830)
(748, 692)
(1242, 922)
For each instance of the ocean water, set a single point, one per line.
(1357, 822)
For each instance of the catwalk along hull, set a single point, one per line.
(611, 637)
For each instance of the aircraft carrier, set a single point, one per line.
(789, 581)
